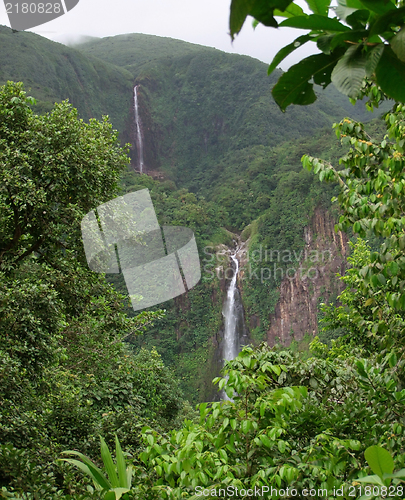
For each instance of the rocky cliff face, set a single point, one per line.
(324, 255)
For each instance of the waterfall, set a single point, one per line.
(235, 329)
(138, 129)
(231, 339)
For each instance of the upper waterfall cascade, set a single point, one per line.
(138, 129)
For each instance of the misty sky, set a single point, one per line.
(204, 22)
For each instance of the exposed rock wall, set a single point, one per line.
(324, 255)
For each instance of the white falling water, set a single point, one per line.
(231, 339)
(230, 312)
(138, 130)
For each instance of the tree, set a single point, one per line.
(372, 200)
(358, 40)
(66, 373)
(293, 423)
(54, 169)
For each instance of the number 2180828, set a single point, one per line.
(33, 8)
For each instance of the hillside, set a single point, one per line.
(198, 104)
(133, 50)
(53, 72)
(230, 162)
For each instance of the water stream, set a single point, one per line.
(235, 335)
(138, 130)
(231, 338)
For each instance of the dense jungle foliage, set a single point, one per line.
(77, 364)
(209, 125)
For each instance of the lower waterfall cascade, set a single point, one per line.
(235, 335)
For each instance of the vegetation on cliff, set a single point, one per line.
(72, 367)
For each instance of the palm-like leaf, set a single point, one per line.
(117, 484)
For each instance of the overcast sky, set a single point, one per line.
(198, 21)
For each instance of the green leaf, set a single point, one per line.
(343, 10)
(238, 15)
(323, 43)
(375, 281)
(287, 50)
(371, 480)
(342, 38)
(281, 446)
(315, 22)
(398, 45)
(115, 494)
(265, 440)
(356, 227)
(381, 279)
(390, 75)
(358, 19)
(187, 465)
(121, 466)
(130, 472)
(397, 474)
(391, 18)
(379, 460)
(394, 268)
(109, 464)
(378, 6)
(372, 58)
(246, 425)
(246, 361)
(360, 369)
(291, 11)
(349, 72)
(293, 87)
(319, 6)
(96, 473)
(262, 10)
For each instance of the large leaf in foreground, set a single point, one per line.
(350, 71)
(315, 22)
(286, 51)
(294, 86)
(379, 460)
(319, 6)
(109, 464)
(121, 465)
(88, 468)
(378, 6)
(398, 45)
(262, 10)
(291, 11)
(390, 75)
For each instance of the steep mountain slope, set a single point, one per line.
(53, 72)
(197, 104)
